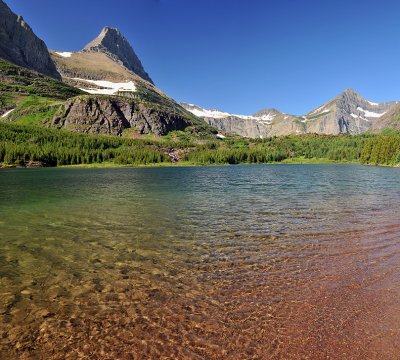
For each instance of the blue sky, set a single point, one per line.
(244, 55)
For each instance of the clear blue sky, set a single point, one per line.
(242, 55)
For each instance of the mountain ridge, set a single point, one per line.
(347, 113)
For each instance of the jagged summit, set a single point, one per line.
(350, 91)
(112, 43)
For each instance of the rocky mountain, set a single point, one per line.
(19, 44)
(122, 94)
(99, 69)
(108, 58)
(390, 120)
(112, 43)
(268, 122)
(348, 113)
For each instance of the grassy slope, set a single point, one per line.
(34, 97)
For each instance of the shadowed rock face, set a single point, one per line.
(112, 43)
(112, 115)
(19, 44)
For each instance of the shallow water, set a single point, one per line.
(240, 262)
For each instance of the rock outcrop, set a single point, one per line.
(112, 115)
(19, 44)
(112, 43)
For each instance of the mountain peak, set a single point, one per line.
(271, 111)
(350, 92)
(111, 42)
(108, 31)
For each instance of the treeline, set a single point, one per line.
(381, 150)
(21, 144)
(277, 149)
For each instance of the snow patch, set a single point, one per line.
(109, 88)
(370, 114)
(373, 103)
(7, 113)
(209, 113)
(317, 110)
(65, 54)
(220, 136)
(268, 117)
(216, 114)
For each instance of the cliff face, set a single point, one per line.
(19, 44)
(112, 115)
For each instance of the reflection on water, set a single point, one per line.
(246, 262)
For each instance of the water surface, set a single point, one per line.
(240, 262)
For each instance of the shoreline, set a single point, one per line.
(110, 165)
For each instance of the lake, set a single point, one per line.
(235, 262)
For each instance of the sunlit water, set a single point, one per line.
(241, 262)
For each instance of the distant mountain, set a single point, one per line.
(390, 120)
(348, 113)
(268, 122)
(19, 44)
